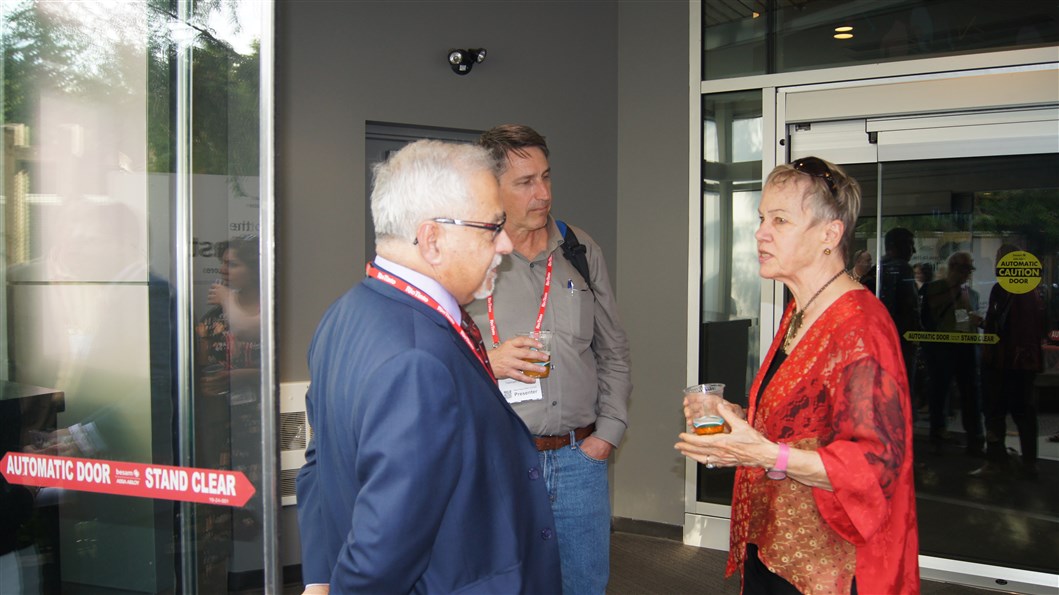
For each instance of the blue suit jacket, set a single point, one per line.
(419, 476)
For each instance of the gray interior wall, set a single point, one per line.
(653, 253)
(551, 65)
(604, 81)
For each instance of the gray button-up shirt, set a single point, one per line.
(590, 380)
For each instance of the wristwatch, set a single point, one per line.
(779, 470)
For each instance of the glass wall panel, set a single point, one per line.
(105, 444)
(731, 288)
(743, 38)
(734, 37)
(984, 352)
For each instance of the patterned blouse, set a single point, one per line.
(842, 392)
(218, 346)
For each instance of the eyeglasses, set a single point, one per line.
(816, 167)
(496, 228)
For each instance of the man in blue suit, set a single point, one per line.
(419, 476)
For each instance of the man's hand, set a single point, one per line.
(509, 359)
(597, 448)
(317, 590)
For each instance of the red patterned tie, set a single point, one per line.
(471, 329)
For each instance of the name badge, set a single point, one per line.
(963, 320)
(516, 392)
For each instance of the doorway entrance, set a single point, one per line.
(976, 191)
(968, 169)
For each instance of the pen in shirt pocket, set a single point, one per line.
(570, 286)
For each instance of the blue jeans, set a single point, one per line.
(578, 487)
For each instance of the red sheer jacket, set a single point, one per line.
(843, 392)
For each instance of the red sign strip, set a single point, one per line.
(186, 484)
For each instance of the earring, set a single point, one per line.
(827, 251)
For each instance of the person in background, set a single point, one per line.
(229, 336)
(923, 273)
(419, 477)
(862, 265)
(1009, 369)
(947, 308)
(897, 289)
(579, 412)
(824, 496)
(227, 404)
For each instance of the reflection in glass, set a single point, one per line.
(748, 38)
(87, 315)
(731, 287)
(985, 465)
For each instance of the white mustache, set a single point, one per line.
(490, 278)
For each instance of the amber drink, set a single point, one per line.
(545, 339)
(705, 398)
(709, 424)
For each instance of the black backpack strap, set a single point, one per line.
(575, 251)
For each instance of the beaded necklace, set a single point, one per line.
(799, 314)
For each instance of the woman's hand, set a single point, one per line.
(746, 447)
(743, 446)
(700, 404)
(219, 295)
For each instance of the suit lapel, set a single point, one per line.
(396, 295)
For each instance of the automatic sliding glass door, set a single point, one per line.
(136, 426)
(985, 377)
(973, 211)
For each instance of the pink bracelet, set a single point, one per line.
(779, 470)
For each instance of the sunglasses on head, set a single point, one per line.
(817, 168)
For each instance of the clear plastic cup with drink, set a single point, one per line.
(545, 339)
(700, 406)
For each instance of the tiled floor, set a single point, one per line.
(653, 566)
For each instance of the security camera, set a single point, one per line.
(462, 60)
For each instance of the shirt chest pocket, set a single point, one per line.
(577, 316)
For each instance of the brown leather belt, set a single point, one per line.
(554, 442)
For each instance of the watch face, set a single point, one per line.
(776, 474)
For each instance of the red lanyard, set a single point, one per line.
(540, 312)
(420, 295)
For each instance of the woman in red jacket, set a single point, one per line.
(824, 497)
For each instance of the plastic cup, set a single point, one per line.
(707, 397)
(545, 339)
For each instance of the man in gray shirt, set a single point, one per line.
(578, 413)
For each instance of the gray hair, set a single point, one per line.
(421, 181)
(821, 203)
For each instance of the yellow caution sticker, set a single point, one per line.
(938, 337)
(1018, 272)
